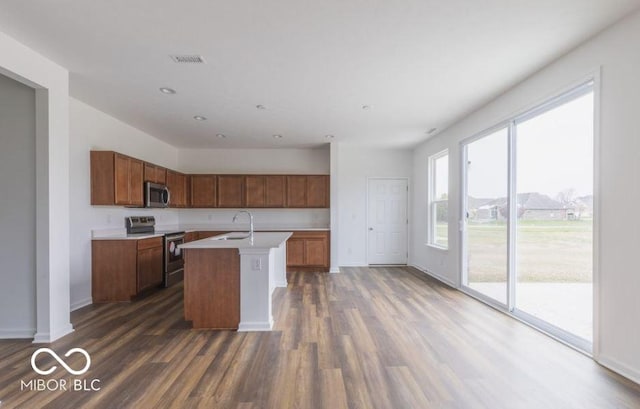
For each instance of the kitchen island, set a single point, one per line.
(229, 279)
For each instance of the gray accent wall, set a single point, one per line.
(17, 209)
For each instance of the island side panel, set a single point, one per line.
(212, 288)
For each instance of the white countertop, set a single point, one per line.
(261, 240)
(121, 233)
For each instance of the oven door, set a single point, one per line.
(173, 259)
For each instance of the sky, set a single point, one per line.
(554, 152)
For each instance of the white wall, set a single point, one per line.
(51, 84)
(615, 52)
(276, 161)
(355, 165)
(92, 129)
(17, 209)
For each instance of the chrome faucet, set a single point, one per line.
(235, 217)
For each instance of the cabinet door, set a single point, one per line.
(149, 268)
(121, 169)
(255, 194)
(315, 252)
(295, 252)
(296, 191)
(190, 236)
(275, 193)
(230, 191)
(203, 191)
(155, 174)
(136, 191)
(182, 185)
(149, 172)
(318, 191)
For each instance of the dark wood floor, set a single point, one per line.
(385, 338)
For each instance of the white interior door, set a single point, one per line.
(387, 221)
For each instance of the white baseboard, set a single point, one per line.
(255, 326)
(334, 270)
(17, 333)
(619, 368)
(46, 337)
(280, 284)
(354, 264)
(81, 303)
(434, 275)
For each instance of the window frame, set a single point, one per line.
(432, 202)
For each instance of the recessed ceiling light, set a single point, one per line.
(277, 136)
(221, 136)
(261, 107)
(366, 107)
(168, 91)
(431, 131)
(329, 136)
(200, 118)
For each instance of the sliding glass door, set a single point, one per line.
(487, 172)
(528, 213)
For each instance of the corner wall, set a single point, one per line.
(17, 209)
(355, 164)
(615, 55)
(92, 129)
(51, 84)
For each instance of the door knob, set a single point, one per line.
(370, 228)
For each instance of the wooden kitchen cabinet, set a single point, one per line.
(190, 236)
(318, 191)
(116, 179)
(308, 191)
(203, 191)
(149, 266)
(231, 191)
(155, 174)
(308, 251)
(178, 188)
(121, 269)
(296, 191)
(206, 234)
(265, 191)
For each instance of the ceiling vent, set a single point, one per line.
(187, 59)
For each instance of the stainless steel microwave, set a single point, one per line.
(156, 195)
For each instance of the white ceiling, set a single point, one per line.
(419, 64)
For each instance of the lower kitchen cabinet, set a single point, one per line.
(121, 269)
(308, 251)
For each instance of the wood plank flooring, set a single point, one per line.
(383, 338)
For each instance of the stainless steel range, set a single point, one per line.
(173, 264)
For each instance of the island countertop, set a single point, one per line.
(261, 240)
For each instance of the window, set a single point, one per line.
(438, 223)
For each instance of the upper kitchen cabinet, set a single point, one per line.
(318, 191)
(203, 191)
(178, 189)
(296, 191)
(265, 191)
(155, 174)
(116, 179)
(231, 191)
(308, 191)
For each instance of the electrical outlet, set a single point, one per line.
(256, 264)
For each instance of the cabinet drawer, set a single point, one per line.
(149, 243)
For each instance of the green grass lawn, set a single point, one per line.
(547, 251)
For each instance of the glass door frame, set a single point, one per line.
(590, 84)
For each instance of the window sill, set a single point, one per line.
(436, 247)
